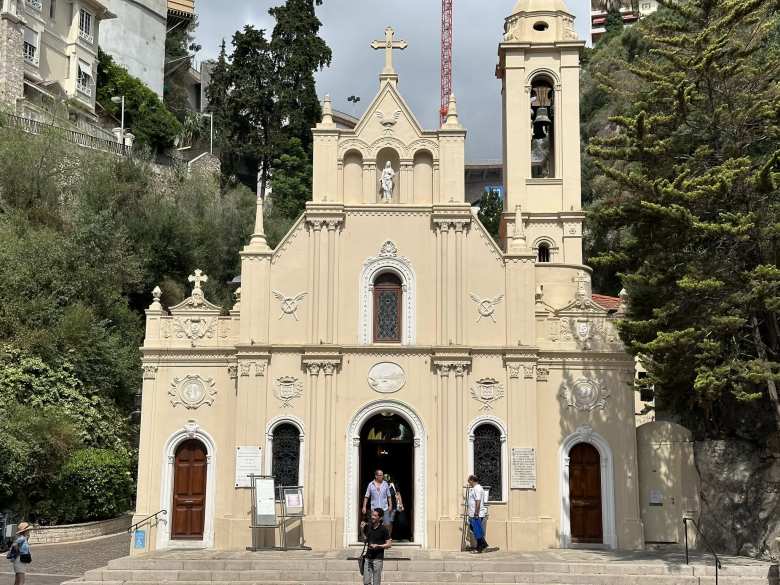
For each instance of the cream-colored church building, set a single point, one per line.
(389, 330)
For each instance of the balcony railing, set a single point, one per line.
(31, 54)
(73, 136)
(84, 87)
(34, 4)
(88, 37)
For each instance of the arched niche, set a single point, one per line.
(384, 156)
(423, 177)
(543, 127)
(353, 177)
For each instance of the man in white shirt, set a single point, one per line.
(477, 511)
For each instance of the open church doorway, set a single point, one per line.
(387, 443)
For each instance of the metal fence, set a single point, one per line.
(80, 138)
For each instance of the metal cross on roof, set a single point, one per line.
(388, 45)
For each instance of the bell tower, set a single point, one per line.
(539, 67)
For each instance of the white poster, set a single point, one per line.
(265, 502)
(523, 468)
(293, 500)
(248, 462)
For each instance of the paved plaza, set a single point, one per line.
(55, 563)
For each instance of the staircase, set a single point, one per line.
(404, 566)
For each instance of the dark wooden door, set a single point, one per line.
(585, 494)
(189, 491)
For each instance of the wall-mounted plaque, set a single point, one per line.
(523, 475)
(248, 463)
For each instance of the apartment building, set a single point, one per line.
(136, 39)
(49, 54)
(630, 10)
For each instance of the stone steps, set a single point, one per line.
(273, 568)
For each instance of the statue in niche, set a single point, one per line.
(387, 183)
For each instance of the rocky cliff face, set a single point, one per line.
(740, 497)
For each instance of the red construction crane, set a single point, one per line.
(446, 58)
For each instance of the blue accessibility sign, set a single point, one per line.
(139, 542)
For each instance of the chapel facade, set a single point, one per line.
(389, 330)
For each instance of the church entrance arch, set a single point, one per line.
(387, 443)
(387, 435)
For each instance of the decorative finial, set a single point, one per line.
(623, 294)
(237, 296)
(452, 120)
(156, 296)
(327, 114)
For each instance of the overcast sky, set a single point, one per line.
(350, 25)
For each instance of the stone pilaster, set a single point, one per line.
(11, 55)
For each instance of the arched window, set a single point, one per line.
(543, 254)
(286, 455)
(487, 459)
(388, 297)
(542, 129)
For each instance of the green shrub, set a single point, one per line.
(94, 484)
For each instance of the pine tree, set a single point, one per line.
(693, 219)
(217, 95)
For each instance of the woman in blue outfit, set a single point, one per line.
(19, 554)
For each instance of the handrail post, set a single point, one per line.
(685, 524)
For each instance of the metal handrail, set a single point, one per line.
(154, 516)
(74, 136)
(718, 564)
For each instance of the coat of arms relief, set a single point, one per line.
(487, 391)
(192, 392)
(287, 389)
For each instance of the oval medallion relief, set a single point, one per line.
(386, 377)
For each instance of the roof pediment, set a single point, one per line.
(388, 116)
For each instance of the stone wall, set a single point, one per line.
(77, 532)
(740, 497)
(11, 57)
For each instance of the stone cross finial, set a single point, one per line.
(388, 45)
(197, 279)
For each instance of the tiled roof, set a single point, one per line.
(609, 303)
(182, 7)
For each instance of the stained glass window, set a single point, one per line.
(487, 459)
(388, 293)
(286, 455)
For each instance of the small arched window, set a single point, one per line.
(487, 459)
(543, 254)
(285, 460)
(388, 297)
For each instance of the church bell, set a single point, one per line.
(542, 123)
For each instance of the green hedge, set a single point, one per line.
(94, 484)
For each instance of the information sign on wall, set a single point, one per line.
(248, 462)
(523, 474)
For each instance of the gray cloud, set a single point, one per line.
(350, 25)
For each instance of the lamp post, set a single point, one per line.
(121, 100)
(211, 131)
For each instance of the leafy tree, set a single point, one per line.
(490, 209)
(693, 211)
(146, 116)
(291, 180)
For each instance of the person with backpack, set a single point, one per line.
(19, 554)
(477, 512)
(377, 538)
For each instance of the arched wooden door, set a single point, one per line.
(189, 491)
(585, 494)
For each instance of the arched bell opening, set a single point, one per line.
(542, 128)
